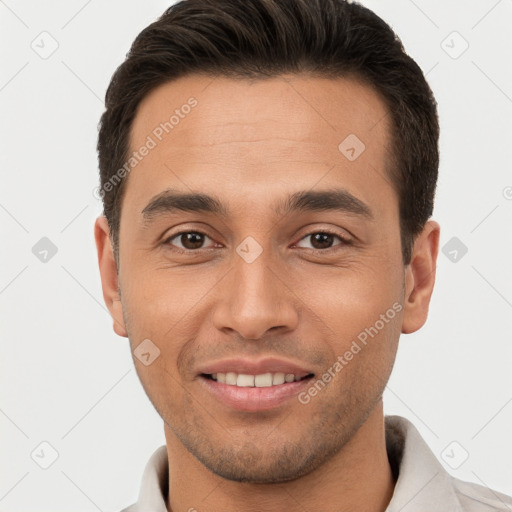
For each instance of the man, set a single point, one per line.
(268, 170)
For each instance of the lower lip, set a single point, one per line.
(253, 398)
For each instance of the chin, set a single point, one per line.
(256, 465)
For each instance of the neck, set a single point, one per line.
(358, 478)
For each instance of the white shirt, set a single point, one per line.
(422, 485)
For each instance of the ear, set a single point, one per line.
(420, 276)
(109, 276)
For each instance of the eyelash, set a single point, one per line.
(344, 242)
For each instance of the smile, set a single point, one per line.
(262, 380)
(253, 393)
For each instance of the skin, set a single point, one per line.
(251, 144)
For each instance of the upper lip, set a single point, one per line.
(255, 367)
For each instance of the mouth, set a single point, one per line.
(262, 380)
(254, 393)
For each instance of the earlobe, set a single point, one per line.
(109, 276)
(420, 278)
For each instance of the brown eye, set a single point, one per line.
(187, 240)
(322, 240)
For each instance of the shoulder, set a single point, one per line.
(478, 498)
(131, 508)
(414, 463)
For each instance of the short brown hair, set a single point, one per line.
(265, 38)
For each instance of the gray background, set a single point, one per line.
(68, 380)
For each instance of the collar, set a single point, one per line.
(422, 484)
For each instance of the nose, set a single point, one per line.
(256, 298)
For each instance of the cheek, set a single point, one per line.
(363, 349)
(167, 307)
(363, 311)
(158, 307)
(160, 301)
(352, 299)
(367, 338)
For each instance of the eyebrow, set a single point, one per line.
(171, 201)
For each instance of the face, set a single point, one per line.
(293, 262)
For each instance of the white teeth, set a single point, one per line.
(231, 378)
(277, 379)
(263, 380)
(245, 381)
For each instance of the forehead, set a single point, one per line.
(240, 133)
(226, 105)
